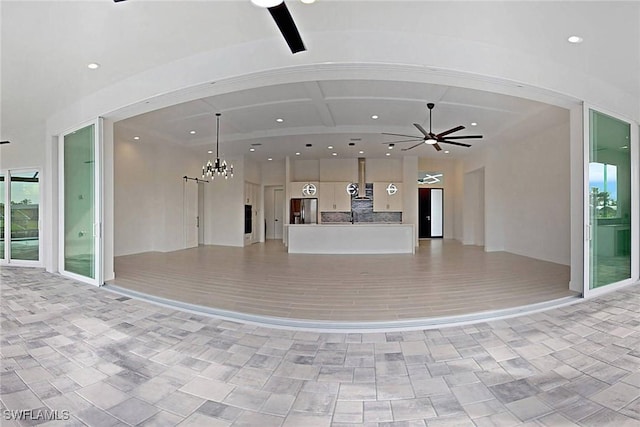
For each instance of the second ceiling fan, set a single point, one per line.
(432, 138)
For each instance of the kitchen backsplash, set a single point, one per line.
(362, 211)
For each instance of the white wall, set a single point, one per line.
(304, 170)
(224, 204)
(527, 196)
(251, 171)
(474, 206)
(148, 196)
(384, 170)
(458, 203)
(273, 173)
(135, 198)
(26, 150)
(410, 187)
(338, 170)
(537, 196)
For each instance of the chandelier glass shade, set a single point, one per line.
(217, 168)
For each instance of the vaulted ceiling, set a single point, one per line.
(46, 46)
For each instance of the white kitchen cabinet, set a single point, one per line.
(385, 202)
(334, 197)
(297, 190)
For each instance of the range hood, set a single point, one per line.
(362, 182)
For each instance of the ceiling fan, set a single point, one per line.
(280, 13)
(432, 138)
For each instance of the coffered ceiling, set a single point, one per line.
(280, 120)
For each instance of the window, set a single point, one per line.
(603, 182)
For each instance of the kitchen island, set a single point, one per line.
(360, 238)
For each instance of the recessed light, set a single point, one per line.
(297, 154)
(252, 149)
(266, 3)
(446, 151)
(374, 117)
(388, 154)
(575, 39)
(269, 159)
(210, 152)
(308, 145)
(192, 132)
(360, 152)
(136, 138)
(93, 66)
(391, 146)
(279, 120)
(330, 147)
(351, 144)
(308, 1)
(334, 154)
(474, 124)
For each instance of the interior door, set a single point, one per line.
(278, 212)
(190, 213)
(200, 221)
(430, 212)
(80, 224)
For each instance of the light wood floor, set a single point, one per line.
(443, 278)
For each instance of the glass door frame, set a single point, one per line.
(8, 260)
(634, 153)
(98, 224)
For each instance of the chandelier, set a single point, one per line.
(210, 170)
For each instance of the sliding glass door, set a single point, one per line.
(610, 201)
(80, 205)
(25, 215)
(20, 217)
(3, 196)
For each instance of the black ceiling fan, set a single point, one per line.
(432, 138)
(284, 21)
(280, 13)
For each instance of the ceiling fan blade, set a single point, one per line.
(400, 134)
(413, 146)
(404, 140)
(447, 132)
(437, 147)
(465, 137)
(284, 21)
(455, 143)
(421, 129)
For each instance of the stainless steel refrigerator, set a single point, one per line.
(303, 211)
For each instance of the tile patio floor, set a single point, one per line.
(110, 360)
